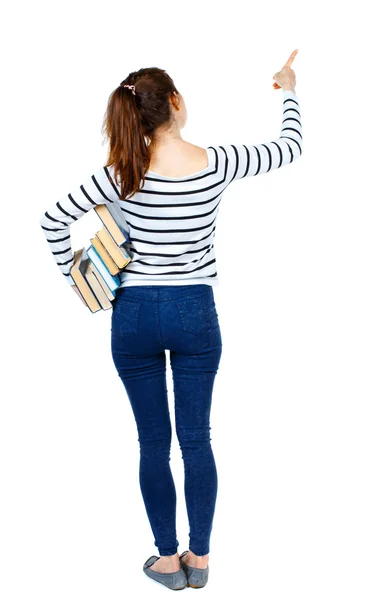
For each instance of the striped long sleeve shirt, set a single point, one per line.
(172, 220)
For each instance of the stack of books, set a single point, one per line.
(95, 270)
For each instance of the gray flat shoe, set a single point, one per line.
(196, 578)
(174, 581)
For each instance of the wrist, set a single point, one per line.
(289, 89)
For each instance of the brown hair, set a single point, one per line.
(130, 119)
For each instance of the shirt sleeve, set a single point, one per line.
(249, 160)
(55, 222)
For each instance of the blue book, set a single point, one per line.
(113, 281)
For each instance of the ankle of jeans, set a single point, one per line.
(199, 550)
(167, 551)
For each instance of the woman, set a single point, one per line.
(169, 191)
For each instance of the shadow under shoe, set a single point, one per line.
(196, 578)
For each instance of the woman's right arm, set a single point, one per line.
(247, 160)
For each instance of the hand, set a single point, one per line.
(286, 77)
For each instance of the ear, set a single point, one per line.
(175, 99)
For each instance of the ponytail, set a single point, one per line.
(136, 108)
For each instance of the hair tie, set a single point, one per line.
(131, 87)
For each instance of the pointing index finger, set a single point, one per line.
(291, 58)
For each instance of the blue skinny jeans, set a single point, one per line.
(146, 321)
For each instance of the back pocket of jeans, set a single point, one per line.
(125, 318)
(193, 314)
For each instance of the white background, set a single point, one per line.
(300, 414)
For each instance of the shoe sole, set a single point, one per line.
(167, 586)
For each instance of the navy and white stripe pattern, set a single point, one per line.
(172, 220)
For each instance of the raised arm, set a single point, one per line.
(56, 220)
(246, 160)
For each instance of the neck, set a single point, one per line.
(165, 139)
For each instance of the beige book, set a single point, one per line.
(104, 255)
(112, 248)
(114, 220)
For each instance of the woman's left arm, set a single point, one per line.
(57, 219)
